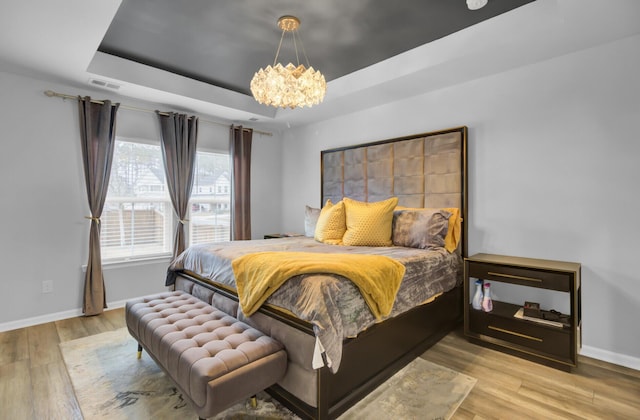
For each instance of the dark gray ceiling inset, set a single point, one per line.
(223, 42)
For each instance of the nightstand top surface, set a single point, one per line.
(526, 262)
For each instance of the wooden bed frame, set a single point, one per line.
(380, 351)
(367, 360)
(375, 355)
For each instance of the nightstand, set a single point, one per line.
(281, 235)
(555, 346)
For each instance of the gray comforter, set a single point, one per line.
(332, 304)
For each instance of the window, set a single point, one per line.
(137, 220)
(210, 219)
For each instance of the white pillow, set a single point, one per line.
(311, 215)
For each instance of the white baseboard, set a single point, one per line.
(43, 319)
(611, 357)
(593, 352)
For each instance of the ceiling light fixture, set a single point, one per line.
(289, 86)
(476, 4)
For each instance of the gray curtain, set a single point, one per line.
(97, 137)
(179, 135)
(240, 150)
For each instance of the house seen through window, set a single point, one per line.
(138, 220)
(210, 210)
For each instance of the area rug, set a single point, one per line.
(111, 383)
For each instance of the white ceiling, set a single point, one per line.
(58, 41)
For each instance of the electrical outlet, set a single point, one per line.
(47, 286)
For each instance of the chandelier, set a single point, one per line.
(289, 86)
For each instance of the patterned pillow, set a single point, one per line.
(420, 228)
(310, 220)
(369, 224)
(331, 224)
(454, 231)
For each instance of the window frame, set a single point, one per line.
(133, 260)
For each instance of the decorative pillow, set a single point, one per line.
(311, 215)
(331, 224)
(369, 224)
(454, 230)
(420, 228)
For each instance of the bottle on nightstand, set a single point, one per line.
(477, 297)
(487, 303)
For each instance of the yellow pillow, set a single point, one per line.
(331, 224)
(453, 231)
(369, 224)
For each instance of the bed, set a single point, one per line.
(339, 350)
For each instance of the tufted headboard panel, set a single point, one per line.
(423, 170)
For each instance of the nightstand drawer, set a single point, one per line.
(547, 340)
(520, 275)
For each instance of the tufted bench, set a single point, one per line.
(215, 360)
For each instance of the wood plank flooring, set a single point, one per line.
(34, 383)
(512, 388)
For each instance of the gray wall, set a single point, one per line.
(552, 161)
(44, 233)
(553, 171)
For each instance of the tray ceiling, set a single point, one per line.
(223, 43)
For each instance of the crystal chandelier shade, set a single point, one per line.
(288, 86)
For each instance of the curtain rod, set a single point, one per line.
(52, 94)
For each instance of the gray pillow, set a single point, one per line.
(420, 228)
(310, 219)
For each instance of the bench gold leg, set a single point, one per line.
(139, 351)
(254, 402)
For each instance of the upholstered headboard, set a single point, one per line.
(423, 170)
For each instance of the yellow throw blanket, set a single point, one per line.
(260, 274)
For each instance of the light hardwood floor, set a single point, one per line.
(34, 383)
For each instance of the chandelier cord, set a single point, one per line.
(275, 60)
(294, 34)
(304, 53)
(295, 46)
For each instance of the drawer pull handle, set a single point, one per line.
(511, 276)
(528, 337)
